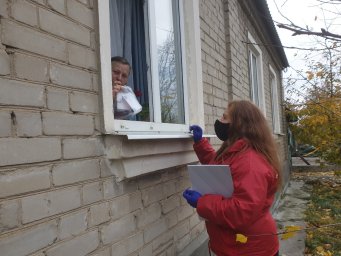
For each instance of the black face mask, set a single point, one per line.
(222, 130)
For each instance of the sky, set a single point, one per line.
(303, 13)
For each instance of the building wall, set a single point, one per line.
(58, 192)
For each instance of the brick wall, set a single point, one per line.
(57, 193)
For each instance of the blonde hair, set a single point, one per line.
(249, 123)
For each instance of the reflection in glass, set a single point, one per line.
(169, 63)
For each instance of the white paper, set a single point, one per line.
(211, 179)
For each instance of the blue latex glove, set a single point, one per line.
(192, 197)
(197, 132)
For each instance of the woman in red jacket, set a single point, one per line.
(250, 151)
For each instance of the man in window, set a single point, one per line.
(126, 106)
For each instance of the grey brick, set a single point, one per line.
(82, 56)
(26, 180)
(92, 193)
(67, 124)
(84, 102)
(57, 99)
(78, 148)
(118, 229)
(25, 38)
(5, 121)
(123, 205)
(47, 204)
(67, 173)
(22, 150)
(30, 94)
(4, 8)
(81, 13)
(72, 224)
(60, 26)
(29, 240)
(4, 63)
(9, 215)
(70, 77)
(99, 214)
(28, 124)
(24, 12)
(31, 68)
(57, 5)
(79, 246)
(128, 245)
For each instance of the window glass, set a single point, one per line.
(147, 34)
(275, 103)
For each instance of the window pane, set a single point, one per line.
(169, 62)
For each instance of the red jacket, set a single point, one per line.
(247, 212)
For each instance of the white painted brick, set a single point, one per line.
(170, 204)
(67, 124)
(29, 240)
(30, 94)
(60, 26)
(92, 193)
(99, 214)
(5, 121)
(113, 189)
(47, 204)
(57, 99)
(181, 230)
(128, 245)
(152, 194)
(182, 243)
(4, 63)
(21, 150)
(9, 215)
(25, 38)
(83, 102)
(57, 5)
(154, 230)
(118, 229)
(71, 172)
(79, 246)
(24, 12)
(78, 148)
(31, 68)
(82, 57)
(81, 13)
(70, 77)
(125, 204)
(26, 180)
(28, 124)
(148, 215)
(72, 224)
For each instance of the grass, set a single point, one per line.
(324, 208)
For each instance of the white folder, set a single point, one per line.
(211, 179)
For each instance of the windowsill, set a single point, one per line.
(153, 136)
(131, 155)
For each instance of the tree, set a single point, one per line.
(319, 116)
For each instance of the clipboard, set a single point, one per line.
(211, 179)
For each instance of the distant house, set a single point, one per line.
(75, 180)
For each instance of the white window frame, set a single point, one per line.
(192, 78)
(275, 102)
(255, 50)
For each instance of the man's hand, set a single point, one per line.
(117, 86)
(197, 132)
(192, 197)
